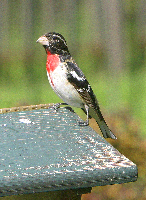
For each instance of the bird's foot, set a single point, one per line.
(85, 123)
(57, 105)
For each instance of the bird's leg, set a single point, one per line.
(57, 105)
(85, 123)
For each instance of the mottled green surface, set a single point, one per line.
(44, 150)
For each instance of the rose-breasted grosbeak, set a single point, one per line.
(69, 82)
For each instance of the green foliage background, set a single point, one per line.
(108, 45)
(83, 24)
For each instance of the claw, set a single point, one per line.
(86, 123)
(57, 105)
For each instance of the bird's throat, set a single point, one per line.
(52, 62)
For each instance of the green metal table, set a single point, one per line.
(44, 150)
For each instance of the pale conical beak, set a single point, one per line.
(43, 40)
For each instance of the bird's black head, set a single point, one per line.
(55, 43)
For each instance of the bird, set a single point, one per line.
(68, 81)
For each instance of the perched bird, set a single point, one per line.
(68, 81)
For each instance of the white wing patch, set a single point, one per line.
(75, 75)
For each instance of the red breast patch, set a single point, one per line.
(52, 62)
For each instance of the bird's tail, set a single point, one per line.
(96, 114)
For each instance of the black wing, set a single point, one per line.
(76, 77)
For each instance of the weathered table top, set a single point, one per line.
(44, 150)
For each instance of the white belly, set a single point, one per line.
(63, 88)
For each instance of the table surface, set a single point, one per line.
(46, 150)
